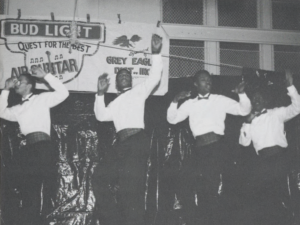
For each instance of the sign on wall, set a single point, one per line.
(103, 47)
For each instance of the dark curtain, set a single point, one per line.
(82, 143)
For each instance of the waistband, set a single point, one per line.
(271, 151)
(207, 139)
(37, 137)
(126, 133)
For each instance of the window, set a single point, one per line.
(237, 13)
(180, 67)
(286, 15)
(2, 7)
(287, 57)
(240, 55)
(183, 11)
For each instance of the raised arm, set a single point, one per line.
(7, 113)
(243, 107)
(176, 115)
(102, 112)
(60, 92)
(245, 137)
(156, 69)
(289, 112)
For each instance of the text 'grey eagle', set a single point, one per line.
(123, 41)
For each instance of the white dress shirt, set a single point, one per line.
(127, 110)
(267, 130)
(34, 115)
(208, 115)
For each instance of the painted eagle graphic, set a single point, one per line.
(123, 41)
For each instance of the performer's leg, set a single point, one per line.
(31, 187)
(187, 180)
(104, 180)
(48, 157)
(132, 162)
(211, 163)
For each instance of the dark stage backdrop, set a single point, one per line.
(82, 143)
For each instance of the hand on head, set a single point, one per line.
(182, 95)
(10, 83)
(103, 84)
(156, 44)
(38, 72)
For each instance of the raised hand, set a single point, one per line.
(288, 78)
(182, 95)
(103, 84)
(10, 83)
(240, 88)
(38, 72)
(156, 44)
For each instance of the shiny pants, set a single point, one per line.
(201, 175)
(119, 182)
(38, 179)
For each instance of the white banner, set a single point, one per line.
(103, 47)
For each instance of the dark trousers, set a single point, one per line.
(38, 179)
(125, 168)
(267, 190)
(201, 175)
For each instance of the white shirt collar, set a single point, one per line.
(201, 96)
(124, 90)
(27, 96)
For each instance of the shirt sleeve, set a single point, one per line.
(289, 112)
(175, 115)
(6, 113)
(59, 94)
(245, 137)
(154, 76)
(242, 108)
(102, 112)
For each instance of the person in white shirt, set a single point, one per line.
(206, 113)
(132, 146)
(264, 128)
(33, 116)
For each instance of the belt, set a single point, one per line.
(270, 151)
(37, 137)
(207, 139)
(126, 133)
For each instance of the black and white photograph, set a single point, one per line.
(150, 112)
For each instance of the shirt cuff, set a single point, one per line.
(246, 125)
(156, 59)
(99, 97)
(243, 96)
(173, 105)
(292, 89)
(5, 93)
(49, 77)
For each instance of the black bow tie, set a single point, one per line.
(123, 91)
(25, 100)
(200, 98)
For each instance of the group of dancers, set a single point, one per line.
(206, 112)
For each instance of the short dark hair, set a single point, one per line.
(30, 80)
(198, 73)
(123, 70)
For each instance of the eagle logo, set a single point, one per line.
(123, 41)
